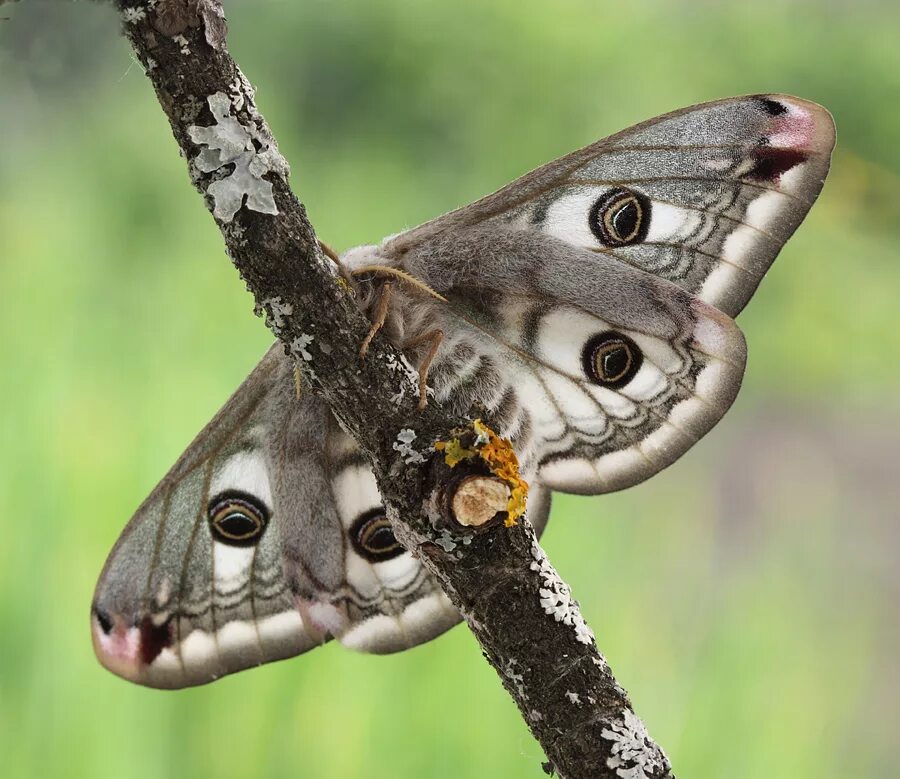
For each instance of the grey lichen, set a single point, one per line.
(403, 444)
(299, 344)
(184, 44)
(634, 753)
(556, 598)
(228, 142)
(275, 310)
(446, 542)
(174, 17)
(514, 677)
(133, 15)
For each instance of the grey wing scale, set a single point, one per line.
(704, 197)
(266, 539)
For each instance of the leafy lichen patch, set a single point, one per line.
(634, 753)
(228, 142)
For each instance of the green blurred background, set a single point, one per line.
(746, 597)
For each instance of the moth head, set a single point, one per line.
(360, 256)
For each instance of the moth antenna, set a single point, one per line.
(298, 386)
(407, 277)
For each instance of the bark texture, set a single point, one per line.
(520, 611)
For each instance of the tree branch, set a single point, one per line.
(519, 609)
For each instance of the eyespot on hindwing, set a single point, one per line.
(373, 537)
(611, 359)
(237, 518)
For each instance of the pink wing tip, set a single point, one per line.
(798, 130)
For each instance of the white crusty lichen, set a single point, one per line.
(556, 598)
(446, 542)
(133, 15)
(634, 754)
(515, 678)
(184, 44)
(574, 698)
(253, 155)
(276, 310)
(409, 378)
(403, 444)
(299, 344)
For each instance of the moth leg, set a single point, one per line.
(332, 255)
(380, 316)
(435, 337)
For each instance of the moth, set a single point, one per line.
(585, 312)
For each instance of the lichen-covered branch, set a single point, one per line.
(521, 612)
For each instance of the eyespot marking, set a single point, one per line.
(772, 107)
(154, 638)
(104, 620)
(611, 359)
(620, 217)
(772, 161)
(237, 518)
(373, 538)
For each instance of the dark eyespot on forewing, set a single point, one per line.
(237, 518)
(104, 620)
(770, 162)
(772, 107)
(373, 538)
(611, 359)
(154, 638)
(620, 217)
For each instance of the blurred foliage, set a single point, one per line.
(746, 597)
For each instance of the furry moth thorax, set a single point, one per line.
(587, 315)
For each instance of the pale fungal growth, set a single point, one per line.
(190, 110)
(228, 142)
(410, 378)
(403, 444)
(299, 344)
(556, 598)
(446, 542)
(236, 231)
(398, 397)
(574, 698)
(514, 677)
(133, 15)
(237, 94)
(634, 754)
(183, 44)
(479, 499)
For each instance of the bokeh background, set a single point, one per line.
(746, 597)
